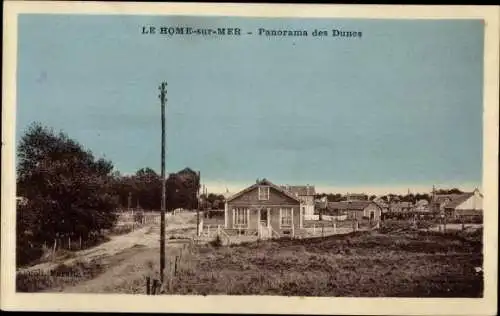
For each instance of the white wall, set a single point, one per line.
(475, 202)
(326, 217)
(225, 216)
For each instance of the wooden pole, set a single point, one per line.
(54, 250)
(163, 183)
(175, 265)
(198, 206)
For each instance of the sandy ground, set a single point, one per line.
(147, 236)
(456, 227)
(131, 254)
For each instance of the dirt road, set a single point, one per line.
(146, 237)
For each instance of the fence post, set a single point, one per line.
(80, 242)
(148, 285)
(69, 242)
(155, 284)
(175, 265)
(323, 230)
(334, 227)
(54, 250)
(314, 229)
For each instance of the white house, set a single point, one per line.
(305, 193)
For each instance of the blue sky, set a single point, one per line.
(400, 106)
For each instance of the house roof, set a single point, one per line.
(459, 199)
(380, 202)
(422, 203)
(350, 205)
(264, 182)
(440, 198)
(402, 204)
(300, 190)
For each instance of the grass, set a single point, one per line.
(414, 264)
(396, 263)
(63, 276)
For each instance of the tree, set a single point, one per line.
(450, 191)
(67, 189)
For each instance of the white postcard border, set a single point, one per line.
(252, 304)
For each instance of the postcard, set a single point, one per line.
(250, 158)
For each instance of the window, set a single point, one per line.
(263, 193)
(240, 217)
(285, 217)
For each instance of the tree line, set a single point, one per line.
(67, 192)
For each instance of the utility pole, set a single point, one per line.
(163, 92)
(204, 203)
(198, 197)
(129, 204)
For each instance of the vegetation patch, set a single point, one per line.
(414, 264)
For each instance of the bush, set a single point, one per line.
(389, 226)
(217, 242)
(27, 254)
(424, 224)
(138, 217)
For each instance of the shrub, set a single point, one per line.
(217, 242)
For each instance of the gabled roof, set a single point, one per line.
(351, 205)
(300, 190)
(440, 198)
(263, 182)
(458, 200)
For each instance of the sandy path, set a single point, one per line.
(147, 236)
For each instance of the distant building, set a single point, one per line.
(305, 193)
(382, 203)
(355, 209)
(422, 206)
(401, 207)
(459, 204)
(467, 204)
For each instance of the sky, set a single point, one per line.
(399, 108)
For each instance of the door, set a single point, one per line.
(263, 217)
